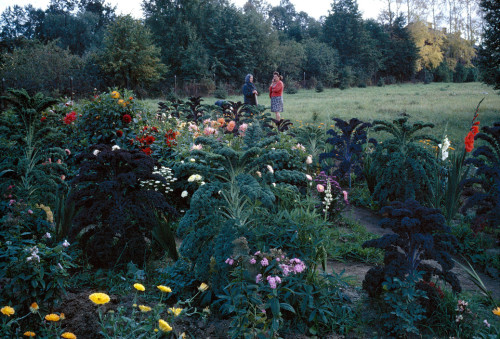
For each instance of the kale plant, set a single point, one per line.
(230, 188)
(347, 148)
(115, 213)
(420, 233)
(29, 155)
(487, 176)
(404, 167)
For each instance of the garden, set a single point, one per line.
(122, 218)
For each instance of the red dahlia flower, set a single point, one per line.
(127, 118)
(119, 133)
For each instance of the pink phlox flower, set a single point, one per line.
(264, 262)
(257, 253)
(229, 261)
(258, 278)
(253, 261)
(210, 131)
(12, 202)
(285, 269)
(272, 282)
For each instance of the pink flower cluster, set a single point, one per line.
(295, 266)
(229, 261)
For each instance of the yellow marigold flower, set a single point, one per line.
(29, 334)
(164, 326)
(175, 311)
(115, 95)
(203, 287)
(52, 317)
(144, 308)
(68, 335)
(7, 310)
(122, 103)
(99, 298)
(497, 311)
(139, 287)
(165, 289)
(34, 308)
(156, 330)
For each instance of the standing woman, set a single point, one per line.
(249, 91)
(276, 95)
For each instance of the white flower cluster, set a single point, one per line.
(34, 254)
(444, 148)
(157, 185)
(328, 197)
(195, 177)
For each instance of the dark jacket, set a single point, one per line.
(248, 88)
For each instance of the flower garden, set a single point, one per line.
(197, 220)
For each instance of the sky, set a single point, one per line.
(314, 8)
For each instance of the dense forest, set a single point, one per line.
(202, 47)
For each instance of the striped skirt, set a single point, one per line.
(276, 104)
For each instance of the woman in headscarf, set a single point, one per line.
(249, 91)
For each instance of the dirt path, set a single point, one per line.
(356, 270)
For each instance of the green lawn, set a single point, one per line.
(449, 106)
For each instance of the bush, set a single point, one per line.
(381, 82)
(116, 214)
(291, 89)
(319, 87)
(220, 93)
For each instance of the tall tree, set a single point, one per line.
(129, 54)
(429, 43)
(489, 56)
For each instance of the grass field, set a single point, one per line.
(449, 106)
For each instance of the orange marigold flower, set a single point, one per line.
(34, 307)
(29, 334)
(68, 335)
(52, 317)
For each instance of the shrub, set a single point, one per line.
(381, 82)
(319, 87)
(419, 234)
(404, 167)
(291, 89)
(116, 214)
(220, 93)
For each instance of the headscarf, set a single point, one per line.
(247, 78)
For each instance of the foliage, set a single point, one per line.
(228, 195)
(27, 135)
(419, 234)
(403, 309)
(333, 198)
(36, 67)
(129, 54)
(109, 118)
(429, 43)
(115, 213)
(346, 147)
(487, 177)
(269, 292)
(404, 167)
(34, 264)
(489, 61)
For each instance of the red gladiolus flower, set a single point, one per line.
(147, 150)
(127, 118)
(70, 117)
(469, 141)
(119, 133)
(42, 119)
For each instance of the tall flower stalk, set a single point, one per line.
(458, 171)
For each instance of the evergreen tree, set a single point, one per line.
(489, 57)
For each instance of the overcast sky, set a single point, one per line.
(315, 8)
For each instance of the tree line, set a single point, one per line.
(205, 45)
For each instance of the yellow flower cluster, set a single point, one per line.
(29, 334)
(52, 317)
(144, 308)
(164, 326)
(175, 311)
(115, 95)
(496, 311)
(68, 335)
